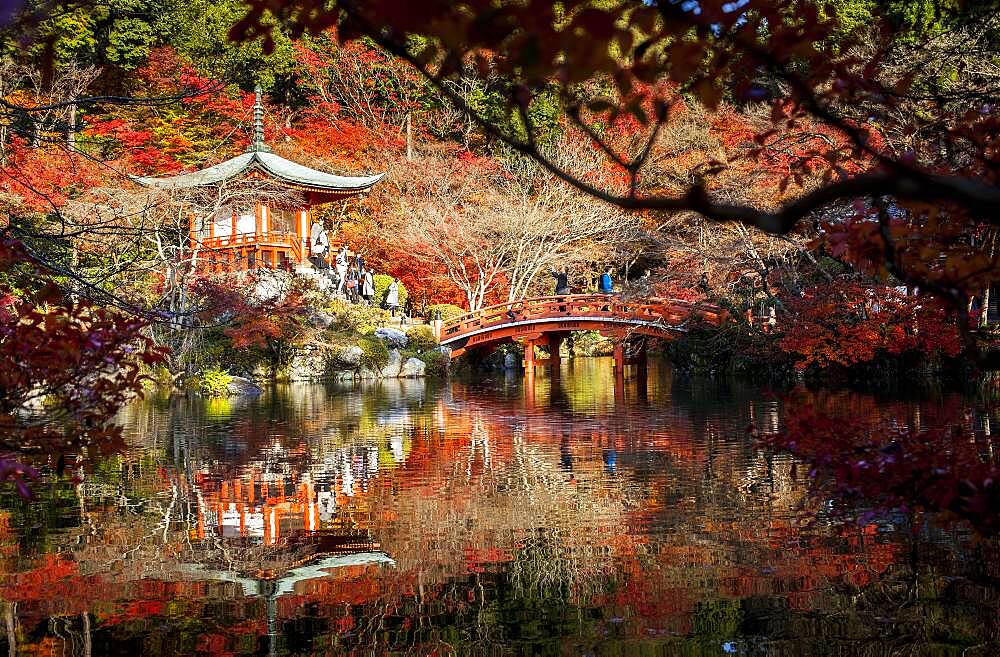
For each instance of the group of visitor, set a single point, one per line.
(352, 278)
(605, 284)
(355, 280)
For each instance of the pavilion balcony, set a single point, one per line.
(267, 238)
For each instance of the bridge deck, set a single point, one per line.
(575, 312)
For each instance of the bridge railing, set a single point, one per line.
(669, 312)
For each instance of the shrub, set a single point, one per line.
(358, 318)
(374, 353)
(382, 289)
(437, 364)
(422, 338)
(448, 311)
(214, 383)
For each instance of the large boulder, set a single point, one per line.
(392, 337)
(242, 386)
(320, 319)
(391, 369)
(412, 368)
(510, 362)
(349, 357)
(309, 364)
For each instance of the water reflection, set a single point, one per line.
(579, 514)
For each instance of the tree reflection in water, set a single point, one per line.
(578, 517)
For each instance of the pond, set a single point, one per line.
(570, 515)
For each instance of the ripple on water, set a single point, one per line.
(568, 515)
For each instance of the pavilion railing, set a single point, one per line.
(283, 242)
(656, 311)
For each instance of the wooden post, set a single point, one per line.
(302, 231)
(529, 357)
(192, 233)
(258, 219)
(619, 354)
(555, 343)
(232, 235)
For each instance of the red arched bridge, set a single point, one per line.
(547, 321)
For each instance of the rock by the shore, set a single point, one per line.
(510, 362)
(320, 319)
(308, 365)
(412, 368)
(392, 337)
(242, 386)
(349, 357)
(392, 367)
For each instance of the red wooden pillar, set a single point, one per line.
(192, 233)
(232, 236)
(258, 211)
(302, 231)
(555, 343)
(619, 355)
(529, 357)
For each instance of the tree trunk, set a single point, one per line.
(71, 128)
(409, 139)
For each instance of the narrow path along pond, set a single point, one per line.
(575, 518)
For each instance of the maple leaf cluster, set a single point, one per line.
(846, 323)
(80, 361)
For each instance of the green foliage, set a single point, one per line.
(214, 383)
(357, 318)
(374, 353)
(914, 19)
(382, 282)
(422, 338)
(199, 30)
(448, 311)
(437, 364)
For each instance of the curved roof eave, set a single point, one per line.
(274, 165)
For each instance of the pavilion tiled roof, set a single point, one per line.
(269, 164)
(259, 159)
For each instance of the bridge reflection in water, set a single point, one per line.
(494, 517)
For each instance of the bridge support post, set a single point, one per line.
(619, 355)
(529, 357)
(555, 343)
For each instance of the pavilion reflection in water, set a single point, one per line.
(332, 504)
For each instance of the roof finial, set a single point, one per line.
(258, 144)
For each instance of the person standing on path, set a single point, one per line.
(367, 287)
(342, 260)
(319, 246)
(392, 297)
(353, 284)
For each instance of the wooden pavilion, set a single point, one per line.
(262, 236)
